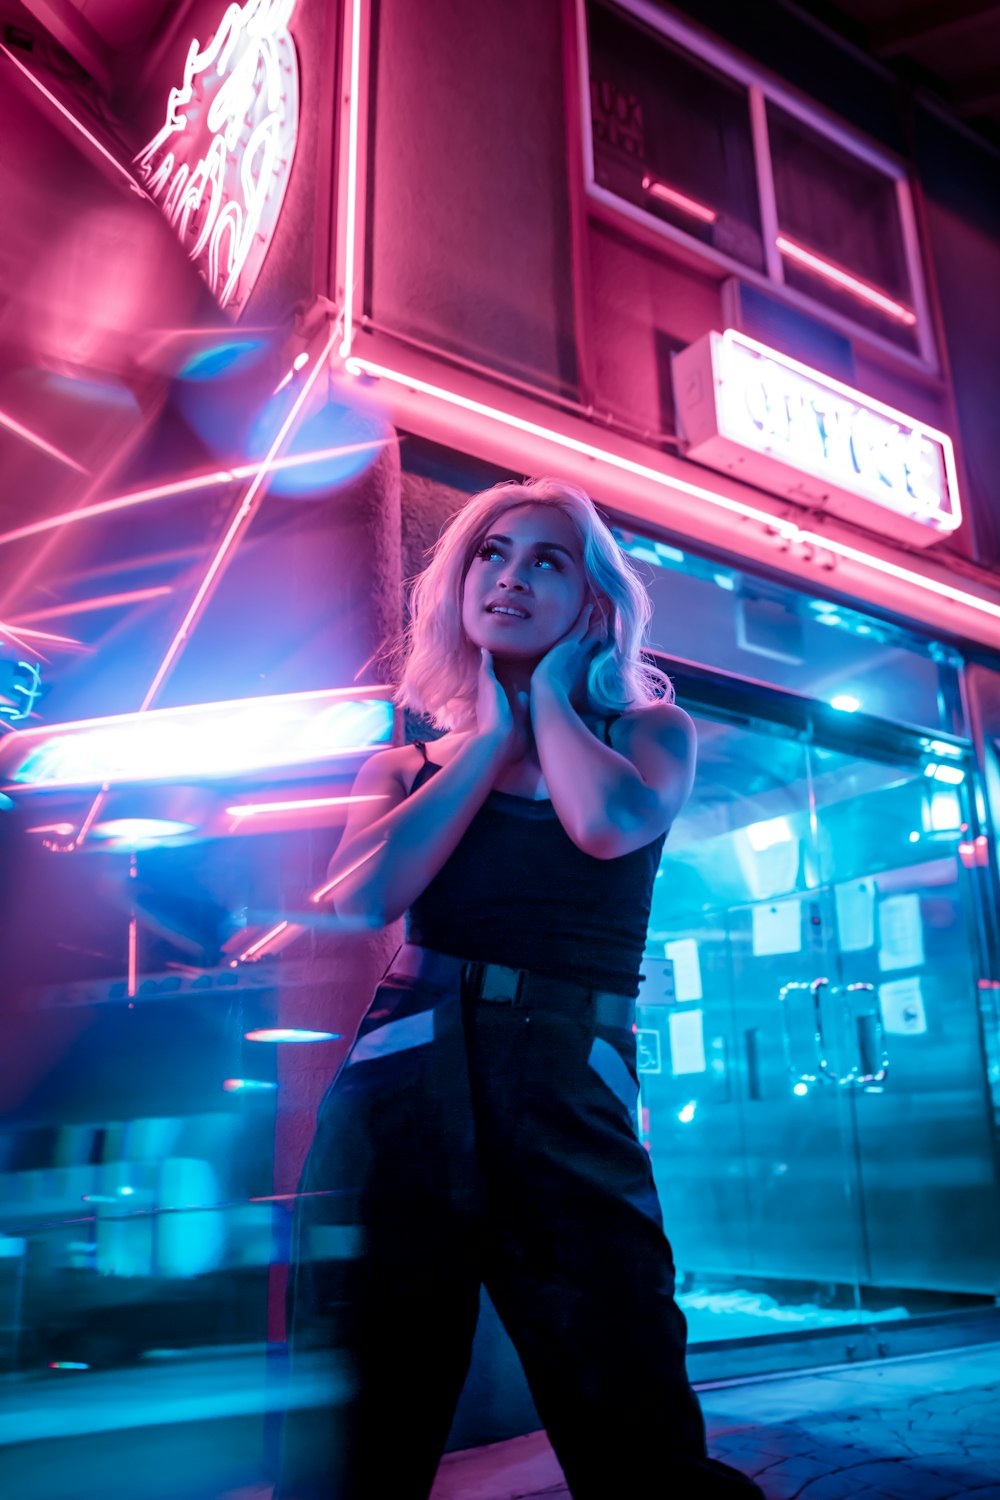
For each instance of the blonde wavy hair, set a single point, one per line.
(438, 666)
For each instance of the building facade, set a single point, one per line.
(739, 284)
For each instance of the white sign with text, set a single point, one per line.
(770, 420)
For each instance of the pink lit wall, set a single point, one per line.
(470, 223)
(967, 262)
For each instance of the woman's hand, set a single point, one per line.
(565, 665)
(494, 716)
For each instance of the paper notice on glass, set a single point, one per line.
(777, 928)
(687, 1041)
(647, 1046)
(901, 936)
(902, 1003)
(683, 954)
(855, 902)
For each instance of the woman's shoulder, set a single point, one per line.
(655, 721)
(408, 759)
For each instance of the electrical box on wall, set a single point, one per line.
(753, 412)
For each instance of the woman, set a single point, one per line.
(482, 1129)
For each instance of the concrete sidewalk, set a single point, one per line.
(926, 1428)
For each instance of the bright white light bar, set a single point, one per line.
(299, 804)
(204, 741)
(950, 775)
(290, 1034)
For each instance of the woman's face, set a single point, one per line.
(529, 564)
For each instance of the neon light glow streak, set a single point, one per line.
(76, 124)
(133, 935)
(119, 502)
(666, 194)
(244, 514)
(220, 163)
(253, 809)
(86, 606)
(12, 635)
(331, 885)
(13, 425)
(91, 818)
(62, 829)
(287, 1034)
(351, 216)
(845, 280)
(356, 366)
(262, 942)
(787, 529)
(41, 635)
(184, 486)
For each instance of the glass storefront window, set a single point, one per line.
(722, 618)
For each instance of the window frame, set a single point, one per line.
(761, 89)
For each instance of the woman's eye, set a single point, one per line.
(485, 552)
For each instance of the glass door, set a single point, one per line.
(754, 1157)
(813, 1090)
(897, 850)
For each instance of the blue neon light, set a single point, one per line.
(221, 359)
(140, 833)
(200, 742)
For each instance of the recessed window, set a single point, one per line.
(698, 141)
(839, 230)
(672, 135)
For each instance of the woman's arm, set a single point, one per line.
(392, 848)
(611, 801)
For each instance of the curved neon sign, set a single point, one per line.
(220, 164)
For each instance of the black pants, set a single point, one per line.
(467, 1142)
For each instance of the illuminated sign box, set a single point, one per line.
(205, 741)
(763, 417)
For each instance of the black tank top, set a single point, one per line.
(518, 891)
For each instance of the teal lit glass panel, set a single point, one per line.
(723, 618)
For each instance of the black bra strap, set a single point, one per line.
(419, 745)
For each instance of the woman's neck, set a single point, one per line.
(515, 678)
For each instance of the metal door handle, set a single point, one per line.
(823, 1069)
(872, 1066)
(751, 1041)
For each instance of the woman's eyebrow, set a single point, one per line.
(539, 546)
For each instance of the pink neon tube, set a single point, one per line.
(37, 441)
(76, 124)
(845, 280)
(666, 194)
